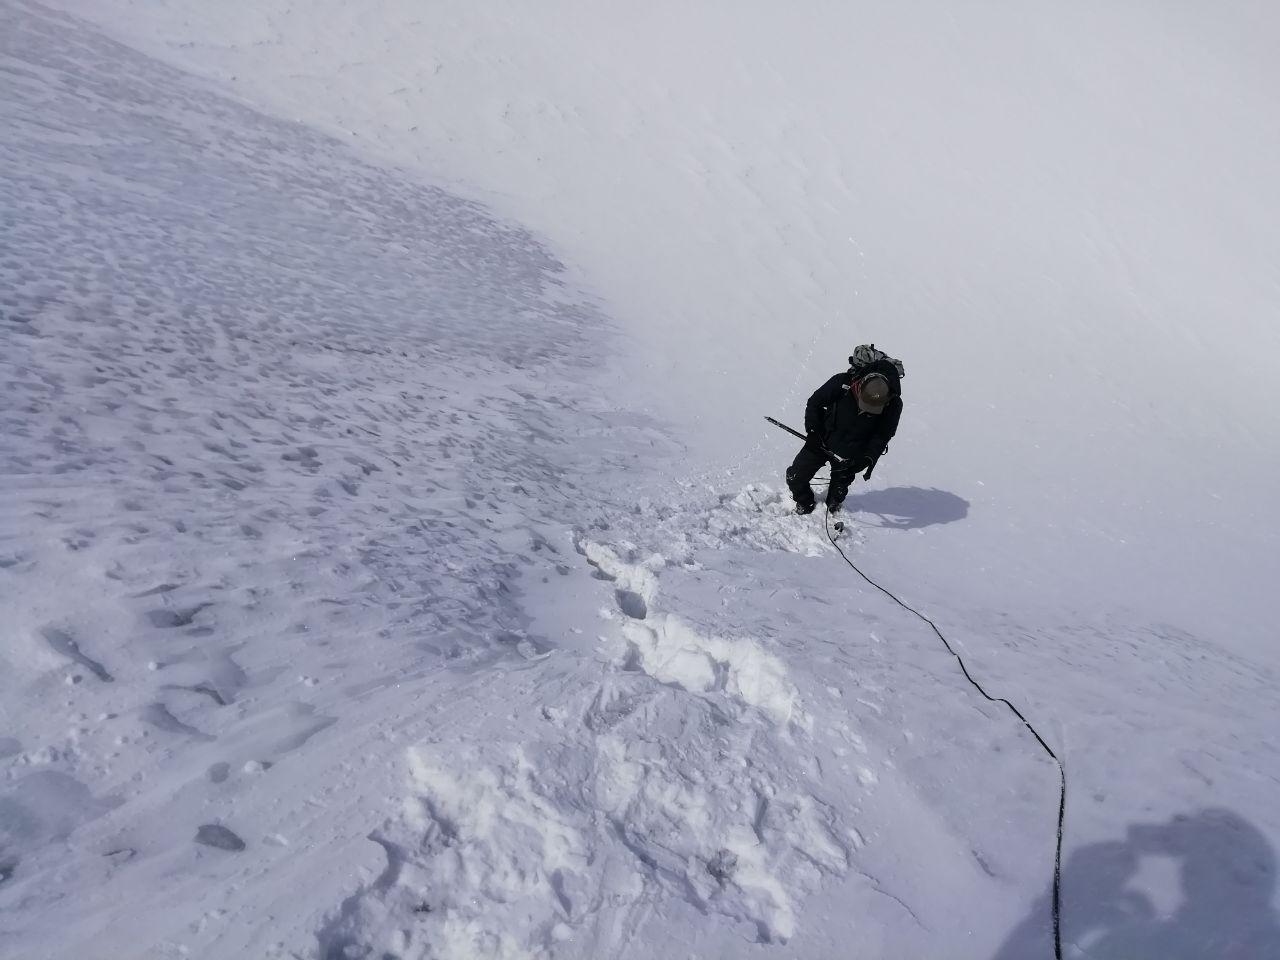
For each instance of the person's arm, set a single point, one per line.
(815, 410)
(886, 427)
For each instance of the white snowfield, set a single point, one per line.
(394, 562)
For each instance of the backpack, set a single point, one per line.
(868, 354)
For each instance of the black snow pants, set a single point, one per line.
(806, 464)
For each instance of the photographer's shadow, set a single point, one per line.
(1228, 878)
(905, 508)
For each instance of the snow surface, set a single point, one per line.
(392, 559)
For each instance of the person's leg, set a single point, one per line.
(807, 463)
(842, 474)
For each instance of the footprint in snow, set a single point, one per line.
(62, 642)
(158, 716)
(635, 585)
(167, 619)
(217, 836)
(203, 689)
(632, 604)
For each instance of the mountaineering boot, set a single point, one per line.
(803, 508)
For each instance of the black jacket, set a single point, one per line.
(832, 415)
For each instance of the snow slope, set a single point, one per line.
(1073, 201)
(376, 585)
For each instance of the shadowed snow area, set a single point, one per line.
(381, 579)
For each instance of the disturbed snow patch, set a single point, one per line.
(636, 583)
(561, 847)
(756, 517)
(481, 866)
(677, 777)
(673, 651)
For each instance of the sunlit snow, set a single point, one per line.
(394, 560)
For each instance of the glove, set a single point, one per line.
(847, 467)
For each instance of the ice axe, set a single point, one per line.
(794, 433)
(834, 456)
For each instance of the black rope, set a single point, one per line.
(1062, 770)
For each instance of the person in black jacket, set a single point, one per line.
(849, 421)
